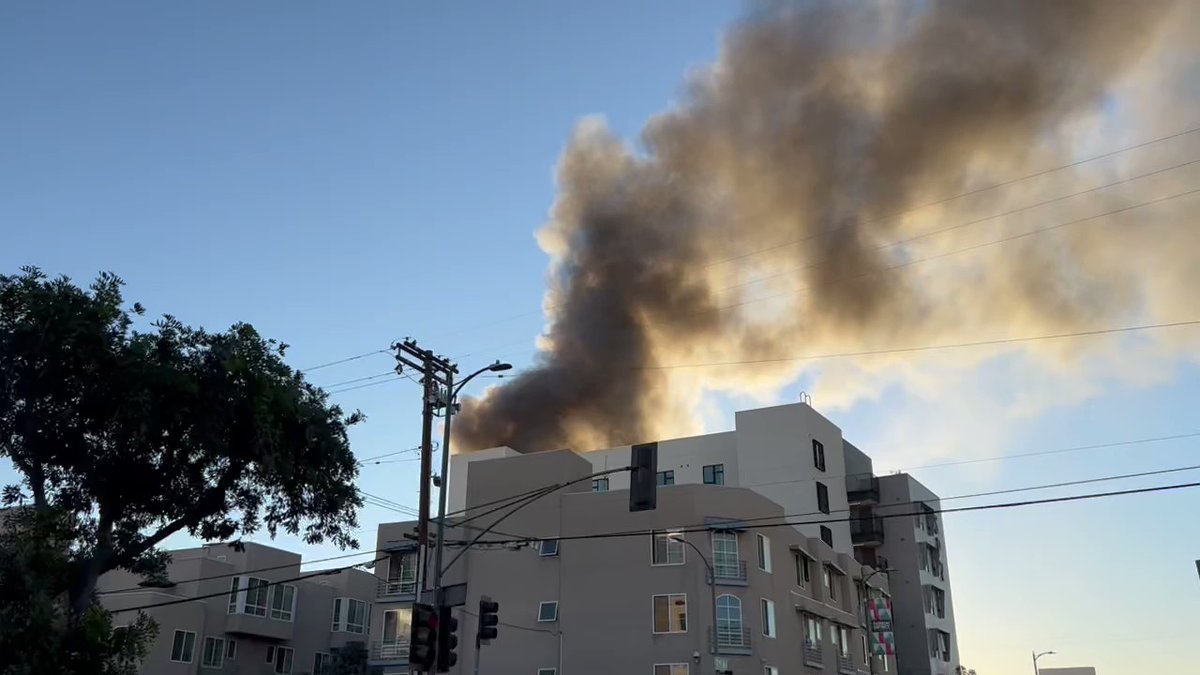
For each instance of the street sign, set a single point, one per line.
(881, 626)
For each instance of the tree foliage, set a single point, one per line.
(135, 431)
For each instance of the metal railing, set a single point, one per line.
(864, 530)
(403, 586)
(729, 570)
(389, 649)
(862, 489)
(845, 665)
(813, 655)
(730, 636)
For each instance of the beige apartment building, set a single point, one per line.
(250, 627)
(747, 565)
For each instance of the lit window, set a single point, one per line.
(764, 553)
(213, 655)
(667, 549)
(714, 474)
(670, 613)
(664, 478)
(547, 611)
(283, 602)
(548, 548)
(183, 645)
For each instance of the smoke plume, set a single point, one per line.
(793, 203)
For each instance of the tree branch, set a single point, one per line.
(212, 499)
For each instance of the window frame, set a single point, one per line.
(270, 654)
(664, 478)
(670, 614)
(547, 603)
(726, 536)
(831, 580)
(822, 497)
(803, 562)
(184, 647)
(843, 639)
(600, 484)
(547, 671)
(284, 657)
(812, 624)
(763, 549)
(766, 612)
(280, 614)
(553, 550)
(664, 535)
(770, 670)
(713, 474)
(818, 449)
(671, 668)
(827, 536)
(230, 650)
(321, 669)
(220, 652)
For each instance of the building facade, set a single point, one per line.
(251, 625)
(749, 563)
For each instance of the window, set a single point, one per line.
(729, 622)
(322, 663)
(270, 653)
(665, 478)
(866, 649)
(397, 625)
(841, 640)
(548, 548)
(349, 615)
(803, 570)
(547, 671)
(822, 497)
(764, 553)
(283, 660)
(939, 602)
(818, 455)
(547, 611)
(667, 550)
(943, 643)
(233, 594)
(181, 648)
(283, 601)
(927, 596)
(725, 555)
(248, 595)
(770, 670)
(230, 650)
(402, 572)
(923, 552)
(670, 669)
(812, 631)
(827, 536)
(213, 655)
(832, 579)
(600, 484)
(670, 613)
(714, 474)
(935, 649)
(768, 617)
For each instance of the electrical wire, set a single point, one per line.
(397, 452)
(358, 379)
(229, 575)
(226, 593)
(345, 360)
(364, 386)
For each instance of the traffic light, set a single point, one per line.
(447, 640)
(423, 641)
(643, 477)
(488, 620)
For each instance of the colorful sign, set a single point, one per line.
(879, 614)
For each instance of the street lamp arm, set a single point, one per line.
(493, 368)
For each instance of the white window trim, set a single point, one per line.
(341, 624)
(770, 670)
(654, 545)
(220, 653)
(685, 614)
(290, 611)
(543, 603)
(192, 656)
(764, 545)
(769, 628)
(279, 651)
(544, 551)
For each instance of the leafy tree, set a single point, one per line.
(349, 660)
(135, 434)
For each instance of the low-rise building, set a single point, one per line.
(250, 625)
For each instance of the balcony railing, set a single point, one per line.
(845, 665)
(726, 639)
(862, 489)
(866, 530)
(401, 586)
(726, 571)
(390, 650)
(813, 656)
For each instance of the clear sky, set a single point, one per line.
(344, 175)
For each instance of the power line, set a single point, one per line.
(227, 593)
(959, 509)
(241, 573)
(925, 348)
(345, 360)
(363, 386)
(513, 625)
(358, 379)
(397, 452)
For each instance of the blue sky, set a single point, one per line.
(343, 176)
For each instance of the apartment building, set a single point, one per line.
(249, 627)
(711, 581)
(897, 527)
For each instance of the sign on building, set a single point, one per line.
(879, 613)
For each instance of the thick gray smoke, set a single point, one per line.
(755, 222)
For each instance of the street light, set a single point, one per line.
(450, 403)
(1037, 656)
(712, 583)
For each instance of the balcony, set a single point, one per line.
(729, 572)
(394, 588)
(845, 665)
(867, 531)
(730, 640)
(862, 489)
(813, 657)
(390, 650)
